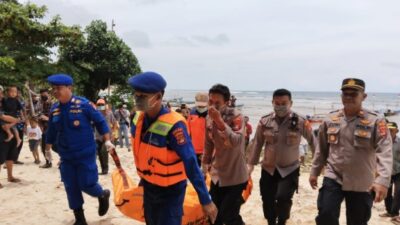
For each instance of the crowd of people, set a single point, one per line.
(357, 149)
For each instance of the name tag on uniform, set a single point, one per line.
(75, 111)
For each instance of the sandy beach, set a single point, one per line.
(40, 198)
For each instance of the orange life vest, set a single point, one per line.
(157, 164)
(197, 130)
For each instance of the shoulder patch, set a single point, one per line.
(179, 136)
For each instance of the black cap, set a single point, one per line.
(353, 83)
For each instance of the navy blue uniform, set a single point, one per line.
(70, 130)
(164, 205)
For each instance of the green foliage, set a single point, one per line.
(102, 56)
(30, 50)
(26, 43)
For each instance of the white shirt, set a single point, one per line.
(34, 133)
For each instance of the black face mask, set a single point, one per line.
(44, 98)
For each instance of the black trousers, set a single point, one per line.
(331, 195)
(103, 156)
(277, 193)
(21, 135)
(43, 146)
(228, 201)
(392, 201)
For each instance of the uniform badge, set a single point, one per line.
(76, 123)
(335, 118)
(351, 82)
(382, 128)
(78, 101)
(365, 122)
(332, 130)
(179, 136)
(332, 138)
(363, 133)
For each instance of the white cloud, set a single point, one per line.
(255, 44)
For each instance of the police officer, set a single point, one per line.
(224, 156)
(392, 200)
(164, 155)
(71, 131)
(355, 146)
(280, 132)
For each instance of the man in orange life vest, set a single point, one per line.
(197, 124)
(164, 155)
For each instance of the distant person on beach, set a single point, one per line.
(165, 158)
(197, 124)
(34, 134)
(279, 133)
(248, 130)
(100, 141)
(122, 116)
(8, 150)
(12, 107)
(392, 200)
(185, 111)
(70, 129)
(355, 147)
(44, 107)
(224, 156)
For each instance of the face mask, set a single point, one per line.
(142, 103)
(201, 109)
(281, 110)
(101, 107)
(44, 98)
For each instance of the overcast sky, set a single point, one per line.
(302, 45)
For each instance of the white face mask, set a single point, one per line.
(201, 109)
(142, 103)
(281, 110)
(101, 108)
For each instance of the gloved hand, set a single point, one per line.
(109, 146)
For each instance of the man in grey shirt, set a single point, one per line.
(224, 156)
(392, 201)
(122, 116)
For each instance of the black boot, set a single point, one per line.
(104, 202)
(79, 217)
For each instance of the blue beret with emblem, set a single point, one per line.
(60, 79)
(148, 82)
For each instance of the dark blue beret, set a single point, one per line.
(147, 82)
(60, 79)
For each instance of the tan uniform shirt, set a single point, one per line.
(224, 150)
(281, 140)
(356, 151)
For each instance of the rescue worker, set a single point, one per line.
(392, 200)
(224, 156)
(280, 132)
(355, 146)
(70, 129)
(197, 124)
(164, 155)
